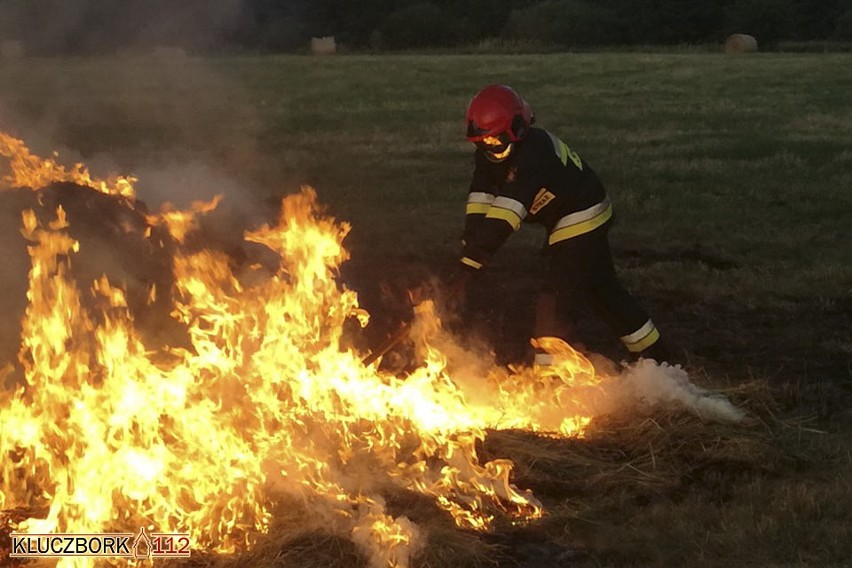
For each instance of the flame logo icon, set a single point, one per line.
(141, 545)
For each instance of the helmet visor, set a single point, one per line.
(494, 145)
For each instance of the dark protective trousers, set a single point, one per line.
(580, 272)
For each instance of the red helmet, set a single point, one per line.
(500, 112)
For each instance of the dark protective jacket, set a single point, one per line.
(542, 181)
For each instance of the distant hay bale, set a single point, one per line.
(740, 43)
(323, 45)
(12, 49)
(169, 53)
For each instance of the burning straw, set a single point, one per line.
(266, 406)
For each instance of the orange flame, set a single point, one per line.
(180, 223)
(29, 170)
(266, 402)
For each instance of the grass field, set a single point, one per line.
(731, 181)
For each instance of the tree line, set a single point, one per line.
(563, 23)
(86, 26)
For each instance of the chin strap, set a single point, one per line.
(499, 157)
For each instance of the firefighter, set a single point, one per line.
(526, 174)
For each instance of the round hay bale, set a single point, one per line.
(170, 53)
(12, 49)
(323, 45)
(740, 43)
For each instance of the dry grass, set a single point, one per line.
(653, 487)
(649, 487)
(730, 177)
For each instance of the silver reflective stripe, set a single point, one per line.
(512, 205)
(480, 197)
(584, 215)
(640, 333)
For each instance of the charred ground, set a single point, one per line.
(730, 179)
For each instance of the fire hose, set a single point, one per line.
(452, 290)
(395, 339)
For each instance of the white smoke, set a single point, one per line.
(650, 383)
(622, 388)
(52, 27)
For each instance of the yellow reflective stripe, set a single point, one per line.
(649, 340)
(560, 148)
(477, 208)
(642, 338)
(580, 228)
(564, 152)
(505, 214)
(470, 262)
(574, 158)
